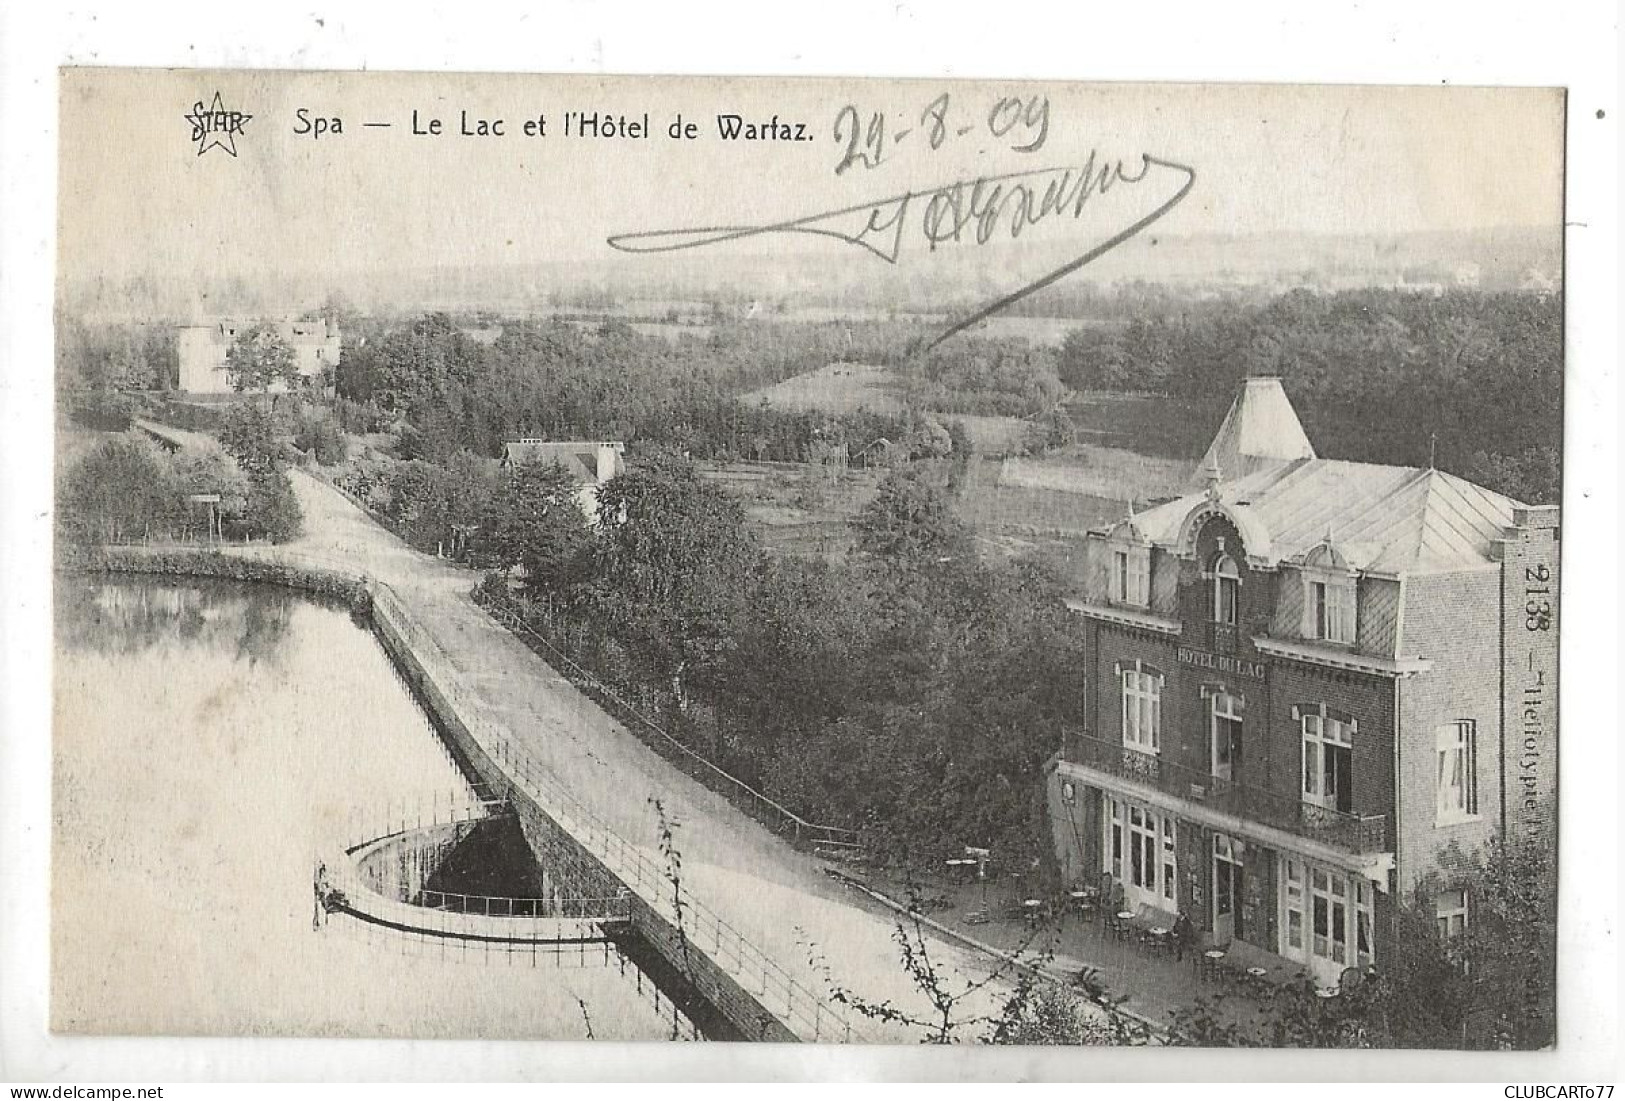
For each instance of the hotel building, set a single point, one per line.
(1311, 688)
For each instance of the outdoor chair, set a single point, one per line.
(1153, 928)
(1118, 925)
(1086, 902)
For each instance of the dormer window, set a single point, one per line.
(1131, 576)
(1330, 610)
(1328, 597)
(1226, 590)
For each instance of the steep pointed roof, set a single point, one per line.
(1260, 431)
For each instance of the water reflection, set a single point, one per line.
(211, 740)
(121, 616)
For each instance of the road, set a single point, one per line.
(778, 897)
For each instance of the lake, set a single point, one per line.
(211, 740)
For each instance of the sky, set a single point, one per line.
(137, 198)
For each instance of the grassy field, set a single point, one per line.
(1135, 446)
(797, 509)
(1146, 423)
(849, 387)
(1066, 494)
(837, 388)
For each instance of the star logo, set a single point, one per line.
(215, 126)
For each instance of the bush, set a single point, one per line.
(123, 488)
(317, 434)
(273, 510)
(104, 410)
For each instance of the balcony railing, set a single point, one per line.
(1357, 833)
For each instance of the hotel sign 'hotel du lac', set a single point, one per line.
(1312, 689)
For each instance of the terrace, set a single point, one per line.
(1198, 792)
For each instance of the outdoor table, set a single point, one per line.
(1259, 977)
(1211, 961)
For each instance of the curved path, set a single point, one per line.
(777, 897)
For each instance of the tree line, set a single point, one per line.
(1466, 381)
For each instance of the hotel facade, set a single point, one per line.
(1311, 688)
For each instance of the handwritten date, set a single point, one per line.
(868, 138)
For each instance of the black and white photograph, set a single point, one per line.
(959, 575)
(812, 560)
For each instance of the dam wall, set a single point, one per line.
(583, 856)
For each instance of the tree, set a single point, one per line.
(911, 520)
(535, 522)
(674, 568)
(212, 471)
(249, 436)
(319, 435)
(259, 358)
(273, 510)
(121, 489)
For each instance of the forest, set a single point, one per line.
(1468, 381)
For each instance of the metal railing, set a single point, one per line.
(1357, 833)
(815, 834)
(810, 1016)
(601, 955)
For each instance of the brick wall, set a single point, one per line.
(571, 864)
(1165, 573)
(1453, 620)
(1368, 699)
(1075, 829)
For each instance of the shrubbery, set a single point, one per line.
(127, 489)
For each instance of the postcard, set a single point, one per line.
(840, 561)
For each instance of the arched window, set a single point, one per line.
(1226, 589)
(1329, 603)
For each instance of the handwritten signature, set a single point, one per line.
(973, 211)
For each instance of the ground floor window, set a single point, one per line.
(1140, 851)
(1327, 918)
(1450, 908)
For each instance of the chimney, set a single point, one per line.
(1261, 430)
